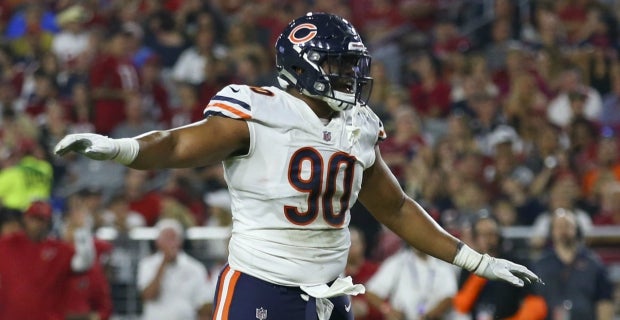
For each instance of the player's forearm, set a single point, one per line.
(382, 195)
(156, 150)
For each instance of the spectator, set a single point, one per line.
(249, 69)
(172, 284)
(412, 285)
(191, 65)
(10, 221)
(108, 177)
(136, 120)
(431, 95)
(560, 110)
(601, 64)
(583, 138)
(81, 106)
(501, 42)
(36, 270)
(119, 216)
(154, 93)
(32, 15)
(487, 119)
(142, 199)
(185, 186)
(15, 128)
(609, 213)
(189, 109)
(607, 166)
(563, 196)
(220, 216)
(88, 295)
(610, 115)
(525, 100)
(73, 39)
(505, 147)
(473, 82)
(577, 285)
(25, 176)
(112, 76)
(124, 256)
(30, 32)
(151, 202)
(56, 124)
(403, 143)
(485, 299)
(164, 38)
(45, 91)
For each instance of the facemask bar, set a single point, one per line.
(347, 75)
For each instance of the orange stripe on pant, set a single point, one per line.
(226, 291)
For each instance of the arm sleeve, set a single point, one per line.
(466, 297)
(533, 307)
(233, 101)
(84, 255)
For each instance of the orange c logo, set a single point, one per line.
(311, 34)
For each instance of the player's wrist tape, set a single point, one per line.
(467, 258)
(128, 149)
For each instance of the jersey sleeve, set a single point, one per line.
(376, 125)
(233, 101)
(381, 135)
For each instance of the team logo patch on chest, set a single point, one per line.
(327, 136)
(261, 314)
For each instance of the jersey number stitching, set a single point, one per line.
(320, 193)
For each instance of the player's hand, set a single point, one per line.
(501, 269)
(92, 145)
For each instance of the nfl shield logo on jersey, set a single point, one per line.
(327, 136)
(261, 314)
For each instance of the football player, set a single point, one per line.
(296, 158)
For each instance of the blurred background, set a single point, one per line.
(493, 107)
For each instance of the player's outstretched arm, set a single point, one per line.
(198, 144)
(383, 197)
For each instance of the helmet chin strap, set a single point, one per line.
(339, 102)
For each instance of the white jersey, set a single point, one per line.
(292, 191)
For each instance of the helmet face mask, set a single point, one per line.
(323, 57)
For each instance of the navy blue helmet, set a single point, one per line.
(323, 56)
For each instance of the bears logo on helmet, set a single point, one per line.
(311, 34)
(323, 56)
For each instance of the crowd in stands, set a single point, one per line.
(504, 107)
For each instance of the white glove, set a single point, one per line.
(493, 268)
(99, 147)
(501, 269)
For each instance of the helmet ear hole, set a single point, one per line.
(298, 70)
